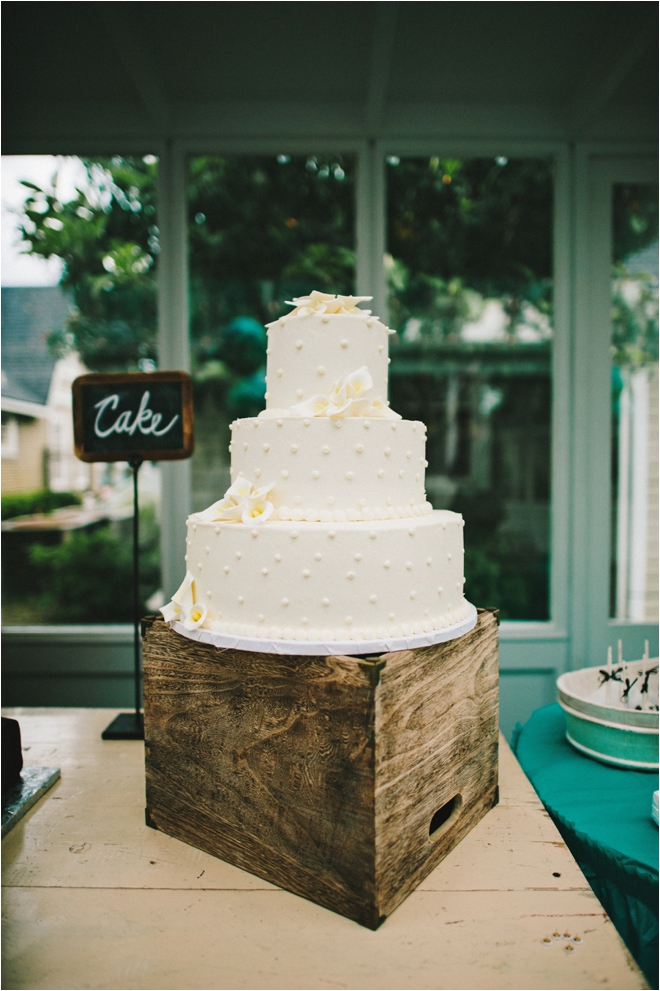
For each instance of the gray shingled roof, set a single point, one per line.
(28, 316)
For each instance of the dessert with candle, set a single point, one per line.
(325, 534)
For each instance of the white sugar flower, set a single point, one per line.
(316, 406)
(348, 397)
(257, 509)
(349, 303)
(358, 382)
(325, 302)
(183, 607)
(171, 611)
(314, 303)
(380, 408)
(242, 501)
(185, 594)
(196, 616)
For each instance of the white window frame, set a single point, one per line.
(598, 167)
(535, 651)
(579, 630)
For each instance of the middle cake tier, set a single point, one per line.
(356, 466)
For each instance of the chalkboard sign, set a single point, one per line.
(138, 415)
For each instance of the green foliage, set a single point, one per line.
(246, 397)
(328, 267)
(487, 221)
(244, 345)
(88, 577)
(634, 317)
(39, 501)
(503, 569)
(440, 307)
(259, 218)
(507, 571)
(108, 240)
(261, 230)
(634, 219)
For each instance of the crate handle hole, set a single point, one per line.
(444, 814)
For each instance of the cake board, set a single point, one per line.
(341, 778)
(350, 647)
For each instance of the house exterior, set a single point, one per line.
(37, 427)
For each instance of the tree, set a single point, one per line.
(462, 230)
(262, 228)
(107, 238)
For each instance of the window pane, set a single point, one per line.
(634, 568)
(262, 229)
(470, 287)
(80, 249)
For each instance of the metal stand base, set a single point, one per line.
(126, 726)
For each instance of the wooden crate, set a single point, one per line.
(343, 779)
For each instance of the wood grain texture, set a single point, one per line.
(321, 774)
(436, 740)
(264, 761)
(94, 899)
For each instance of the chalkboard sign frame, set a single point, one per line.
(140, 380)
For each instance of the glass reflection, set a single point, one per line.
(80, 251)
(470, 286)
(634, 294)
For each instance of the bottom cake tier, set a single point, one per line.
(358, 581)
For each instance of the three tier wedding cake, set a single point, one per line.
(324, 542)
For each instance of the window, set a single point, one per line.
(10, 438)
(634, 287)
(470, 279)
(262, 229)
(80, 241)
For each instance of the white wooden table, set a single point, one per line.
(93, 898)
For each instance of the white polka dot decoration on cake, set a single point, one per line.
(381, 471)
(378, 573)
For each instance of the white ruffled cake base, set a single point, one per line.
(350, 647)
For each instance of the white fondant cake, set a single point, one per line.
(325, 534)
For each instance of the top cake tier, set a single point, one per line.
(308, 352)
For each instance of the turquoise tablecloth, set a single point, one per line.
(604, 815)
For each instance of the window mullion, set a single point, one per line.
(370, 228)
(173, 349)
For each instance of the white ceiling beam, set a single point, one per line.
(382, 44)
(139, 63)
(612, 65)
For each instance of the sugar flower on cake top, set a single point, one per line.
(325, 302)
(242, 501)
(348, 397)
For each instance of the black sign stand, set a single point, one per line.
(130, 725)
(134, 417)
